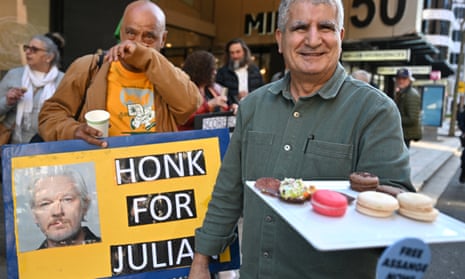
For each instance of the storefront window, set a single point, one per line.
(180, 43)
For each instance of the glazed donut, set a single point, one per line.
(363, 181)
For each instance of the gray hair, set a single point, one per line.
(283, 13)
(52, 171)
(362, 75)
(51, 48)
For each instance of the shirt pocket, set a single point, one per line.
(257, 154)
(327, 160)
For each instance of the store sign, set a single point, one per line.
(416, 70)
(366, 19)
(461, 87)
(264, 23)
(376, 55)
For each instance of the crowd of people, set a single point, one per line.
(144, 92)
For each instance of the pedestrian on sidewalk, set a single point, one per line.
(409, 103)
(461, 124)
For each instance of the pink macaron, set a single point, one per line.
(329, 203)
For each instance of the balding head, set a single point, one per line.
(144, 22)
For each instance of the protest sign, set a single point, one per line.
(147, 193)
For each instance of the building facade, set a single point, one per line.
(380, 35)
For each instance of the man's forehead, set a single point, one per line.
(55, 180)
(326, 11)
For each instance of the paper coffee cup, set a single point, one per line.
(98, 119)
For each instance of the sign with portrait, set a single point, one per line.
(128, 211)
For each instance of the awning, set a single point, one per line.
(421, 52)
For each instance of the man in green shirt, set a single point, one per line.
(316, 123)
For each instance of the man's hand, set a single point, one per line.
(121, 50)
(199, 267)
(89, 135)
(234, 108)
(218, 101)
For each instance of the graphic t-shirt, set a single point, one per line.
(130, 102)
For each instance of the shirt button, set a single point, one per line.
(296, 114)
(287, 147)
(268, 219)
(266, 254)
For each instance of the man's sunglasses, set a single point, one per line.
(32, 49)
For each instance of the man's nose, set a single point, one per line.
(57, 208)
(313, 37)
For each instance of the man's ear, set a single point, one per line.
(163, 39)
(85, 208)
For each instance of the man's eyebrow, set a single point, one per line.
(328, 22)
(298, 23)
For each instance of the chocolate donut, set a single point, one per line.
(268, 185)
(363, 181)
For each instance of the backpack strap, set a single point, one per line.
(90, 77)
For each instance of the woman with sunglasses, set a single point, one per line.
(23, 90)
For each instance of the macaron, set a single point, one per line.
(417, 206)
(376, 204)
(329, 203)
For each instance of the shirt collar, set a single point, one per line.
(328, 91)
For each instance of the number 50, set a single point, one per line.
(385, 18)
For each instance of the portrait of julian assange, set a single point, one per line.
(56, 206)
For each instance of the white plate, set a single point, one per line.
(355, 230)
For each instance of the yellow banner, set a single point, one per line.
(146, 202)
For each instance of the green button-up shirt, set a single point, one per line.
(346, 126)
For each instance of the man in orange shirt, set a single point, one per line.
(140, 88)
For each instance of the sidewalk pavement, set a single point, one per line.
(428, 155)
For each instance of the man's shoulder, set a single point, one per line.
(86, 60)
(413, 92)
(223, 69)
(253, 66)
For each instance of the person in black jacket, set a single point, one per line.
(238, 74)
(461, 124)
